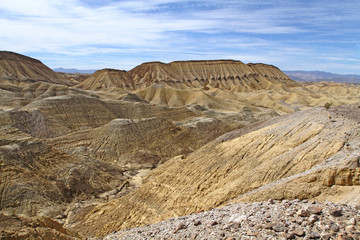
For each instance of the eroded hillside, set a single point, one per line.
(122, 149)
(300, 155)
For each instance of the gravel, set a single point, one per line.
(287, 219)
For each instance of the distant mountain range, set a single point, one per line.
(305, 76)
(316, 76)
(73, 70)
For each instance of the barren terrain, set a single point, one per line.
(84, 156)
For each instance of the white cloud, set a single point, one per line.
(278, 32)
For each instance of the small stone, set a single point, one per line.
(326, 236)
(289, 236)
(313, 218)
(23, 233)
(285, 201)
(313, 235)
(351, 221)
(314, 210)
(299, 221)
(350, 229)
(252, 233)
(235, 225)
(270, 201)
(334, 227)
(213, 223)
(278, 227)
(303, 213)
(197, 223)
(222, 234)
(344, 237)
(238, 219)
(268, 225)
(299, 232)
(179, 227)
(336, 212)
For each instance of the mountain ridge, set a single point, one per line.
(316, 76)
(193, 74)
(18, 68)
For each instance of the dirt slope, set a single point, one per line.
(290, 147)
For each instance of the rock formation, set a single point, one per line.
(107, 78)
(227, 74)
(19, 68)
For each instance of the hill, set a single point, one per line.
(107, 78)
(19, 68)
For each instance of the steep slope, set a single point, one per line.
(289, 147)
(17, 68)
(107, 78)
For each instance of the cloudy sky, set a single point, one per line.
(93, 34)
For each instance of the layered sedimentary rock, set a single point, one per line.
(142, 143)
(107, 78)
(19, 68)
(227, 74)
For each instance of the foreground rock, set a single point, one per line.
(258, 220)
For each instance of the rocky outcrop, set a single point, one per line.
(17, 68)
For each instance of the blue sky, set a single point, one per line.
(88, 34)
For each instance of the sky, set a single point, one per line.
(89, 34)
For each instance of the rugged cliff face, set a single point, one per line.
(18, 68)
